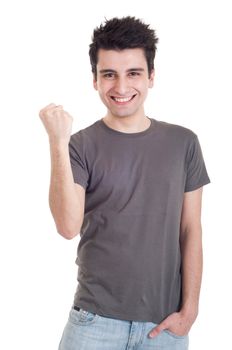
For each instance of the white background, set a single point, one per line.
(44, 59)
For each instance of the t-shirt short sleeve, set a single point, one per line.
(77, 160)
(197, 175)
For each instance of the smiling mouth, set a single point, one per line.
(123, 99)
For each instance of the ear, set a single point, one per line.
(95, 83)
(151, 79)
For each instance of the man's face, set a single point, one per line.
(122, 81)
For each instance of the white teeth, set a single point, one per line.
(126, 99)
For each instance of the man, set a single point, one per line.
(132, 187)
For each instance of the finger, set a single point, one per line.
(54, 110)
(157, 330)
(68, 115)
(51, 105)
(56, 107)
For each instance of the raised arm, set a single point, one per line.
(66, 199)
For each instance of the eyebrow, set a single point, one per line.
(102, 71)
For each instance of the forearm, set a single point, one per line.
(192, 264)
(64, 203)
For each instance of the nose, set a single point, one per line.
(121, 87)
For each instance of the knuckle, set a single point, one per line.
(41, 113)
(50, 105)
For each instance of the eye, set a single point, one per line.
(134, 74)
(109, 75)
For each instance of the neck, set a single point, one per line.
(128, 124)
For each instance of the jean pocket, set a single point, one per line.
(175, 335)
(82, 317)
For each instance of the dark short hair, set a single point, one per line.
(123, 33)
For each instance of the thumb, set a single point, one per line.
(157, 330)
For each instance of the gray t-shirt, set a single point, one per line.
(128, 257)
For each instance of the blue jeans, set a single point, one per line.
(88, 331)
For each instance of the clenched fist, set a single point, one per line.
(57, 122)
